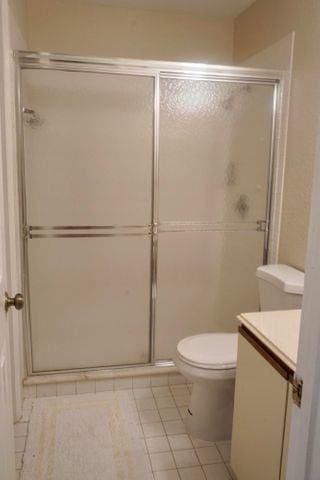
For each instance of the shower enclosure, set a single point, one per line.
(146, 198)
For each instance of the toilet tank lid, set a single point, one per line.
(288, 279)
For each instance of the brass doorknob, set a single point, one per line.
(17, 301)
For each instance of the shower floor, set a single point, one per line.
(158, 414)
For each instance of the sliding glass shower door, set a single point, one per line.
(214, 164)
(88, 150)
(146, 200)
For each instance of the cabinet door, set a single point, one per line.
(259, 416)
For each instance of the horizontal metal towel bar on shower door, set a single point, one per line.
(139, 230)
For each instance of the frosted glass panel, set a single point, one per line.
(214, 150)
(205, 279)
(89, 301)
(88, 148)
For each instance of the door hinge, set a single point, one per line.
(297, 387)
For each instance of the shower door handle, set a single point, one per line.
(17, 301)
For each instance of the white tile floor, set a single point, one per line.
(173, 454)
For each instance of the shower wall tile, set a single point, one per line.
(29, 391)
(47, 390)
(104, 385)
(140, 382)
(86, 386)
(67, 388)
(123, 383)
(157, 385)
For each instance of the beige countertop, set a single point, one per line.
(279, 331)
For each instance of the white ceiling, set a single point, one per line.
(218, 8)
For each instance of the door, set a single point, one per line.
(214, 163)
(7, 471)
(88, 158)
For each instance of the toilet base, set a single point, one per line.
(210, 412)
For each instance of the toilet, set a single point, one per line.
(209, 360)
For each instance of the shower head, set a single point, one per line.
(31, 118)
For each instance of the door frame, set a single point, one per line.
(158, 70)
(304, 444)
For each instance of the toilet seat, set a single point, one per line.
(212, 351)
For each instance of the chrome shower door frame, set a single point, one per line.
(156, 70)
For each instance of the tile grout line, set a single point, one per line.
(141, 427)
(194, 448)
(97, 380)
(26, 436)
(174, 400)
(166, 435)
(172, 394)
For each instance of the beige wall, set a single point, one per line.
(277, 56)
(18, 23)
(264, 23)
(84, 27)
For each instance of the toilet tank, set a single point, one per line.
(280, 287)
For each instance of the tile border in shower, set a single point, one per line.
(99, 381)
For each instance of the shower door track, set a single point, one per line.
(156, 70)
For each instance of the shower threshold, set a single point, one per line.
(137, 376)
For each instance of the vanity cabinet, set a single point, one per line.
(261, 412)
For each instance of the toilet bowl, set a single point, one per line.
(209, 362)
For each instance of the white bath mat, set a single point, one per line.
(85, 437)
